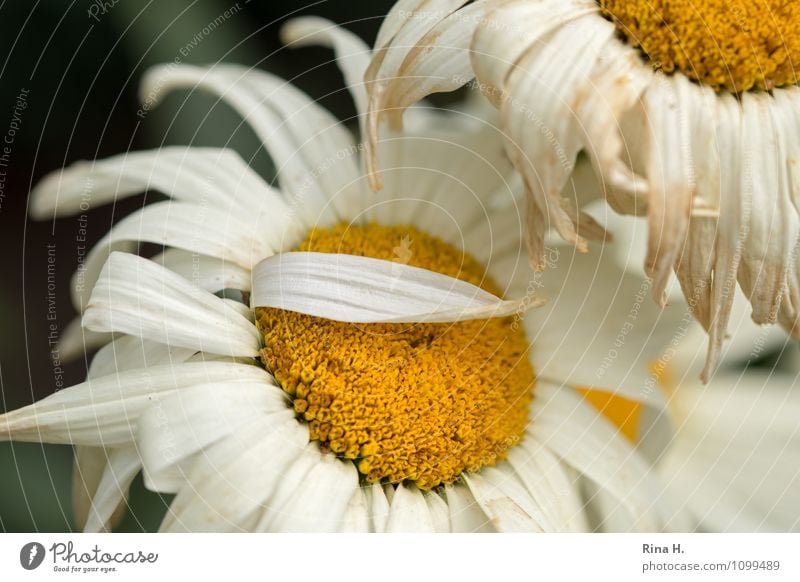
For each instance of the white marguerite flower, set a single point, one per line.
(376, 381)
(689, 113)
(734, 461)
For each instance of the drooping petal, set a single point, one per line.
(87, 471)
(136, 296)
(729, 241)
(103, 411)
(314, 155)
(508, 33)
(543, 132)
(695, 263)
(214, 176)
(362, 289)
(670, 174)
(123, 465)
(439, 62)
(401, 31)
(352, 54)
(773, 224)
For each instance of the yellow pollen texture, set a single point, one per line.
(417, 402)
(736, 45)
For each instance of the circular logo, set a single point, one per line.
(31, 555)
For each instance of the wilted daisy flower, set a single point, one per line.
(688, 111)
(378, 382)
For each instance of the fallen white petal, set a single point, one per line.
(366, 290)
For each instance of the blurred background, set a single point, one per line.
(68, 91)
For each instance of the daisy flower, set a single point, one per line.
(301, 358)
(688, 112)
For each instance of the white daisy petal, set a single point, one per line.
(735, 460)
(466, 515)
(440, 60)
(210, 273)
(378, 507)
(585, 440)
(448, 174)
(361, 289)
(123, 354)
(352, 54)
(611, 516)
(500, 503)
(176, 224)
(130, 352)
(696, 260)
(545, 104)
(87, 471)
(139, 297)
(313, 153)
(409, 512)
(548, 484)
(603, 318)
(729, 241)
(321, 500)
(617, 83)
(289, 481)
(123, 465)
(671, 176)
(388, 59)
(222, 492)
(217, 177)
(439, 512)
(103, 411)
(356, 516)
(773, 220)
(193, 419)
(76, 340)
(506, 34)
(401, 11)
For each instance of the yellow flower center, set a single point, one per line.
(417, 402)
(736, 45)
